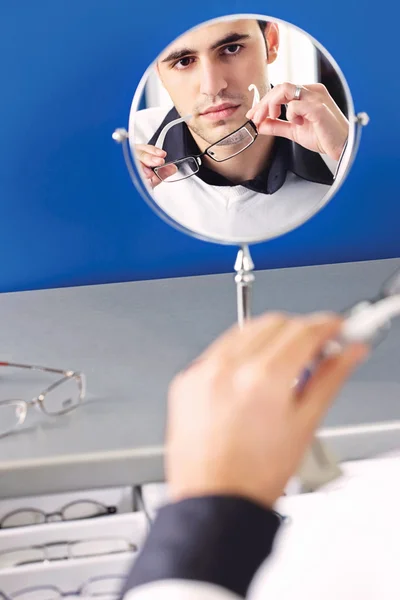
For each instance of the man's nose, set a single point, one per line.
(212, 79)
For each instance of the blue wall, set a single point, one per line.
(69, 213)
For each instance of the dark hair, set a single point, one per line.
(262, 25)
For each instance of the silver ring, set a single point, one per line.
(297, 92)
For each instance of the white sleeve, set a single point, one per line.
(180, 590)
(144, 123)
(338, 167)
(331, 163)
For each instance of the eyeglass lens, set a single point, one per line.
(106, 588)
(232, 144)
(81, 509)
(12, 413)
(38, 593)
(109, 587)
(64, 550)
(226, 148)
(63, 397)
(181, 169)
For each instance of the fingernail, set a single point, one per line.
(157, 161)
(257, 116)
(161, 152)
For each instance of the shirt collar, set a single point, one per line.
(286, 156)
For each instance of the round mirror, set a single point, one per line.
(241, 130)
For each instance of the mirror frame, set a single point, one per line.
(355, 123)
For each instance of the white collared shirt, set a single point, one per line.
(233, 213)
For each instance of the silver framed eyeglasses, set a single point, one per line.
(106, 587)
(64, 550)
(59, 398)
(226, 148)
(73, 511)
(386, 302)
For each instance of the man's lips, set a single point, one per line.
(220, 111)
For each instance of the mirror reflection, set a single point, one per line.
(243, 129)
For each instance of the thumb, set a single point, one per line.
(326, 383)
(276, 127)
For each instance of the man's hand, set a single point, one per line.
(314, 121)
(150, 157)
(237, 426)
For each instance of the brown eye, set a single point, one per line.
(183, 63)
(232, 49)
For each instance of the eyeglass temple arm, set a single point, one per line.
(256, 98)
(391, 286)
(160, 140)
(365, 323)
(35, 368)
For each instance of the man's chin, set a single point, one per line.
(214, 132)
(224, 128)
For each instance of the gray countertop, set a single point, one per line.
(130, 339)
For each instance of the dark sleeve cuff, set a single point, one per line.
(215, 539)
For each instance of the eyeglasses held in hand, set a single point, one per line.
(226, 148)
(378, 312)
(64, 550)
(105, 587)
(74, 511)
(60, 398)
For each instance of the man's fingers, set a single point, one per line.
(169, 170)
(275, 344)
(155, 181)
(239, 344)
(271, 104)
(153, 150)
(312, 111)
(297, 345)
(276, 127)
(148, 173)
(151, 177)
(326, 382)
(150, 160)
(150, 156)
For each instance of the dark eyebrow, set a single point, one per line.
(231, 38)
(178, 55)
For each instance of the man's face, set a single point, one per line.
(207, 73)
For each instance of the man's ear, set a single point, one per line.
(272, 39)
(157, 71)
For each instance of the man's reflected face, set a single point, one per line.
(207, 73)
